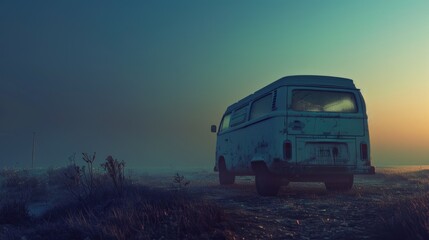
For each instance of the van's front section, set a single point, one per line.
(326, 133)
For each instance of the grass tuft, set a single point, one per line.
(410, 219)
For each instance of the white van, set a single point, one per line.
(298, 128)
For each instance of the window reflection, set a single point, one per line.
(323, 101)
(225, 122)
(261, 106)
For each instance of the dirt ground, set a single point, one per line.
(300, 211)
(308, 210)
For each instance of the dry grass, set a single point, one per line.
(142, 213)
(116, 171)
(138, 212)
(148, 214)
(21, 186)
(17, 179)
(409, 218)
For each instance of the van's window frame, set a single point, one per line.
(270, 109)
(222, 122)
(244, 116)
(352, 93)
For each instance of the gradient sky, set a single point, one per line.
(144, 80)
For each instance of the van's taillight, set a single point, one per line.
(364, 151)
(287, 150)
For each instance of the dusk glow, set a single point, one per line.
(144, 80)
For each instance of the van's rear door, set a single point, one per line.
(323, 123)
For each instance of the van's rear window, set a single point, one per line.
(323, 101)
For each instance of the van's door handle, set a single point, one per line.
(226, 139)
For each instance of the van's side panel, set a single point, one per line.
(365, 123)
(256, 141)
(265, 146)
(223, 148)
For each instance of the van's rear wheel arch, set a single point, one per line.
(225, 177)
(267, 183)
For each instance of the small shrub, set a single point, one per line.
(81, 183)
(89, 178)
(60, 176)
(115, 170)
(180, 182)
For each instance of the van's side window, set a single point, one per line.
(225, 122)
(261, 106)
(239, 116)
(323, 101)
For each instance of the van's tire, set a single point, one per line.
(267, 184)
(225, 177)
(342, 183)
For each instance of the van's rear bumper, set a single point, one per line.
(298, 170)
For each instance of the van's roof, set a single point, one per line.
(299, 80)
(315, 81)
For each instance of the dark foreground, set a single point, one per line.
(379, 206)
(392, 204)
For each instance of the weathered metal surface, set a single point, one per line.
(325, 136)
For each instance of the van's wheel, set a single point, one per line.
(343, 183)
(267, 184)
(225, 177)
